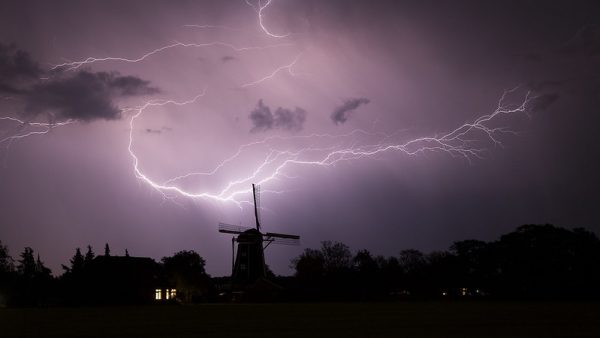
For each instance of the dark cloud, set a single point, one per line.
(290, 119)
(541, 85)
(158, 131)
(342, 113)
(227, 58)
(16, 67)
(263, 119)
(543, 102)
(128, 85)
(585, 41)
(6, 88)
(85, 96)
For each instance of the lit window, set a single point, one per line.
(167, 294)
(173, 293)
(157, 294)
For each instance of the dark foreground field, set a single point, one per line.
(402, 319)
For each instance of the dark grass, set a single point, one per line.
(401, 319)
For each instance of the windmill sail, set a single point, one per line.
(232, 229)
(254, 194)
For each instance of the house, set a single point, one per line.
(126, 280)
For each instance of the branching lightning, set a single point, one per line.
(73, 65)
(287, 67)
(23, 129)
(468, 141)
(259, 8)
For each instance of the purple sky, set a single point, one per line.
(364, 75)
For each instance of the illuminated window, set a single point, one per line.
(157, 294)
(173, 293)
(167, 294)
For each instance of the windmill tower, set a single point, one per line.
(248, 268)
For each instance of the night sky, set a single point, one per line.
(343, 111)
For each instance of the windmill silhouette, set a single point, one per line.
(248, 266)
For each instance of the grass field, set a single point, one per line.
(401, 319)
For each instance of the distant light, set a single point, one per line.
(157, 294)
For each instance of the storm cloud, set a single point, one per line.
(426, 67)
(342, 113)
(83, 95)
(16, 68)
(543, 102)
(286, 119)
(586, 41)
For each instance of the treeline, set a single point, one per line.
(27, 281)
(535, 261)
(89, 279)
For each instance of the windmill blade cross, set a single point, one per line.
(278, 235)
(232, 229)
(284, 239)
(256, 197)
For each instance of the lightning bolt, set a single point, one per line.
(279, 154)
(466, 141)
(259, 8)
(23, 128)
(287, 67)
(73, 65)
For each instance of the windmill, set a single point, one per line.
(248, 266)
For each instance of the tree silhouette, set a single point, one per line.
(185, 270)
(77, 262)
(34, 280)
(543, 260)
(6, 261)
(325, 272)
(7, 275)
(27, 264)
(364, 263)
(40, 268)
(310, 265)
(89, 255)
(106, 250)
(337, 256)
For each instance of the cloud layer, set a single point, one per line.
(342, 113)
(83, 95)
(286, 119)
(16, 67)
